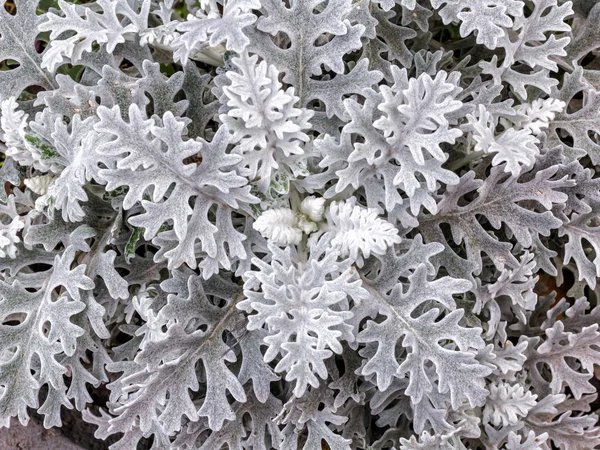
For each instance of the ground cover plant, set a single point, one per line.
(302, 224)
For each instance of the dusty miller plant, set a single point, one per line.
(302, 224)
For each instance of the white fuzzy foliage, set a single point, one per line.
(14, 122)
(305, 307)
(263, 120)
(300, 227)
(428, 442)
(313, 207)
(358, 231)
(540, 113)
(507, 403)
(306, 225)
(280, 226)
(416, 114)
(515, 149)
(489, 18)
(142, 305)
(283, 226)
(212, 26)
(529, 442)
(117, 22)
(163, 35)
(8, 237)
(39, 185)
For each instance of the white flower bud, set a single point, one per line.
(279, 226)
(306, 225)
(313, 207)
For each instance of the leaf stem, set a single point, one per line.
(468, 158)
(295, 201)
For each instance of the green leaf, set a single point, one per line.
(46, 150)
(133, 240)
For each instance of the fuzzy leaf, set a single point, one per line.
(304, 306)
(421, 334)
(304, 59)
(158, 162)
(89, 27)
(19, 33)
(497, 202)
(27, 339)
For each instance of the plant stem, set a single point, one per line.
(468, 158)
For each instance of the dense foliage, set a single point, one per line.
(303, 224)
